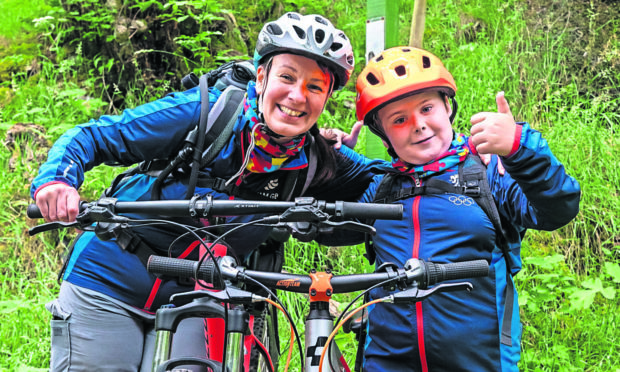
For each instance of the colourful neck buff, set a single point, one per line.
(268, 155)
(456, 154)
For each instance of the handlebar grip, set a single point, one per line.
(33, 211)
(373, 211)
(455, 271)
(180, 268)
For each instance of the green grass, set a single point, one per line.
(559, 68)
(18, 16)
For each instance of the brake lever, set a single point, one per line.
(349, 225)
(416, 295)
(230, 294)
(83, 221)
(307, 231)
(303, 213)
(52, 226)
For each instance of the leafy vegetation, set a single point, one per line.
(62, 63)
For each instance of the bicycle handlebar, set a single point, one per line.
(214, 208)
(424, 273)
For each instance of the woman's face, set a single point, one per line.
(418, 126)
(293, 95)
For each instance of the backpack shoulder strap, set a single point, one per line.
(312, 164)
(222, 119)
(384, 188)
(474, 176)
(199, 143)
(218, 128)
(381, 196)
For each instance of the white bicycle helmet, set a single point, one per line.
(313, 36)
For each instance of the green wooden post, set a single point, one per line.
(381, 33)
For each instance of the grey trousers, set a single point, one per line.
(94, 332)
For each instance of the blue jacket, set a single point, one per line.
(156, 131)
(460, 331)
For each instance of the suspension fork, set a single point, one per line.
(167, 321)
(236, 327)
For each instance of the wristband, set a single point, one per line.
(516, 143)
(472, 147)
(34, 196)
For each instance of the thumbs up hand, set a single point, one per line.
(494, 132)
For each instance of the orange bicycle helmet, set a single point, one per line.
(396, 73)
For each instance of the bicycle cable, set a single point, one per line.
(288, 317)
(339, 320)
(328, 343)
(217, 240)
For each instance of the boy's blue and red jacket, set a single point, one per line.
(156, 131)
(460, 331)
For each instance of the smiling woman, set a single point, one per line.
(294, 94)
(274, 153)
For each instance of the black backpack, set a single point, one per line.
(214, 130)
(473, 183)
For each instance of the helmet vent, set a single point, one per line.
(321, 20)
(400, 70)
(300, 33)
(319, 36)
(293, 16)
(426, 62)
(372, 79)
(380, 58)
(335, 46)
(274, 29)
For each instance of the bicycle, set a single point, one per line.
(305, 219)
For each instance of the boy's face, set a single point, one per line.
(418, 126)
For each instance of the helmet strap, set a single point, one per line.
(455, 107)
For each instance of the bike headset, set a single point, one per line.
(397, 73)
(312, 36)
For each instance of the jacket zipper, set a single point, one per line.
(418, 306)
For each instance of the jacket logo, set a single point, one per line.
(454, 179)
(461, 200)
(272, 185)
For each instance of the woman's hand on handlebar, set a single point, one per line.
(58, 202)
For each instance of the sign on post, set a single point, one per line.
(381, 33)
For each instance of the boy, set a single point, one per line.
(406, 97)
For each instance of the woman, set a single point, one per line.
(103, 318)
